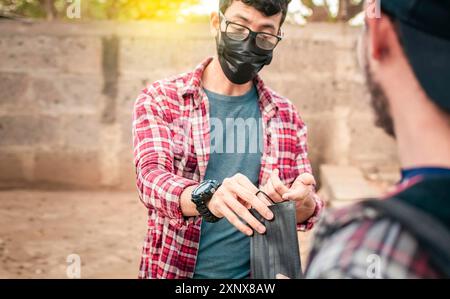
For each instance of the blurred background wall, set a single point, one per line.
(67, 93)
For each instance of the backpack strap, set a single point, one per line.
(430, 233)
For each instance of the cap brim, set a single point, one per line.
(429, 57)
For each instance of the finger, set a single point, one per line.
(235, 221)
(281, 276)
(262, 209)
(299, 192)
(264, 198)
(278, 185)
(274, 195)
(307, 179)
(231, 186)
(253, 200)
(245, 182)
(242, 192)
(245, 215)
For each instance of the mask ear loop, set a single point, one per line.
(221, 21)
(266, 196)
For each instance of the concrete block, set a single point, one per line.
(328, 138)
(80, 55)
(310, 95)
(128, 92)
(27, 130)
(81, 131)
(320, 144)
(304, 56)
(110, 155)
(126, 121)
(67, 168)
(369, 143)
(345, 184)
(16, 50)
(68, 94)
(50, 53)
(127, 170)
(12, 167)
(142, 55)
(13, 89)
(355, 96)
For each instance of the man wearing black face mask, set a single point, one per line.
(241, 52)
(206, 144)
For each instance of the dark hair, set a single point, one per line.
(267, 7)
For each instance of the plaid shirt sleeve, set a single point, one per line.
(159, 188)
(303, 165)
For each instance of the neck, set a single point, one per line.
(421, 128)
(215, 80)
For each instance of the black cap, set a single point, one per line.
(424, 29)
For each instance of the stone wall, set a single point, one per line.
(67, 91)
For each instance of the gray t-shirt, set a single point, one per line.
(236, 147)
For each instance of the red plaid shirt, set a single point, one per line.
(171, 149)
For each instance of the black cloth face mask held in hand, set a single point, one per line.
(241, 61)
(277, 250)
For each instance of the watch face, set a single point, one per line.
(203, 187)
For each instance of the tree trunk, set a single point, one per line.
(319, 13)
(50, 9)
(113, 10)
(348, 9)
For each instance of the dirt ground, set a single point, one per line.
(40, 229)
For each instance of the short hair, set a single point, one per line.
(267, 7)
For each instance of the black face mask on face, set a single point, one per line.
(241, 61)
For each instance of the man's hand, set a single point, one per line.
(233, 200)
(302, 189)
(275, 187)
(302, 192)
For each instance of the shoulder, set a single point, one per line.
(164, 94)
(358, 242)
(287, 111)
(168, 88)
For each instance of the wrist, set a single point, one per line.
(187, 207)
(306, 204)
(310, 202)
(201, 197)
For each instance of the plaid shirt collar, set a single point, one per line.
(195, 88)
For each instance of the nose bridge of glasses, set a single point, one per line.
(227, 23)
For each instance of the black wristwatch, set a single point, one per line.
(202, 195)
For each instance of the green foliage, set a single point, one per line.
(96, 9)
(30, 8)
(137, 10)
(151, 9)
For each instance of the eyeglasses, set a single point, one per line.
(238, 32)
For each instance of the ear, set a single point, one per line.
(381, 37)
(214, 23)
